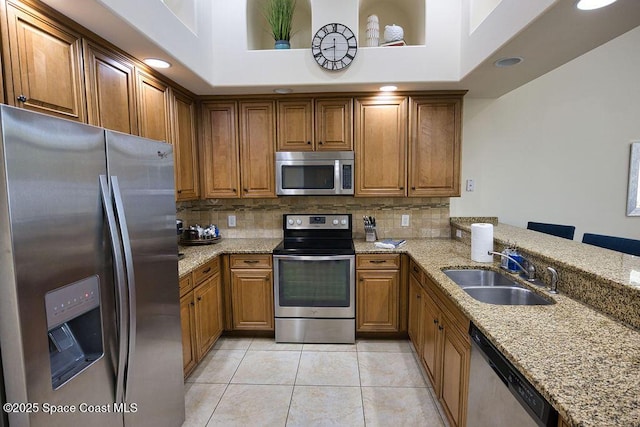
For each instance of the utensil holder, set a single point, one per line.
(370, 234)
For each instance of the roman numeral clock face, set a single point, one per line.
(334, 46)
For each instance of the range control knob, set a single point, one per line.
(299, 221)
(335, 222)
(290, 222)
(343, 222)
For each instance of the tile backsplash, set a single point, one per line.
(428, 217)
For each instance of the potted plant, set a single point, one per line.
(279, 15)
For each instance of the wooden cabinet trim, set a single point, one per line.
(186, 284)
(250, 261)
(206, 270)
(378, 261)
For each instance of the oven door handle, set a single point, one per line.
(313, 258)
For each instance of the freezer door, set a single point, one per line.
(52, 233)
(142, 180)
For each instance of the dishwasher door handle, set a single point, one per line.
(495, 369)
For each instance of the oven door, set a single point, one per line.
(314, 286)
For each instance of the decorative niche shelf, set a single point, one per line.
(409, 14)
(258, 33)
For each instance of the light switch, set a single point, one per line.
(231, 220)
(405, 221)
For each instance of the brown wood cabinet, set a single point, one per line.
(220, 151)
(43, 64)
(200, 312)
(434, 146)
(153, 107)
(377, 292)
(257, 148)
(414, 328)
(323, 124)
(184, 139)
(110, 81)
(380, 146)
(252, 292)
(446, 351)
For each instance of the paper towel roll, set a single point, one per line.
(481, 242)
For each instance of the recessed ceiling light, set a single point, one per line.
(389, 88)
(283, 90)
(157, 63)
(508, 61)
(593, 4)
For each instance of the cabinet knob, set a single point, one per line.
(199, 298)
(435, 321)
(179, 191)
(418, 296)
(309, 142)
(440, 327)
(22, 98)
(192, 303)
(413, 188)
(245, 190)
(402, 188)
(321, 143)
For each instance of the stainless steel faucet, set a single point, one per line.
(553, 286)
(530, 271)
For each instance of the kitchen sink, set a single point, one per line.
(493, 287)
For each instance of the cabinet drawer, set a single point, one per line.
(250, 261)
(186, 284)
(378, 261)
(415, 270)
(207, 270)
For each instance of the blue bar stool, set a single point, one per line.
(620, 244)
(565, 231)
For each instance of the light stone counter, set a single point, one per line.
(584, 362)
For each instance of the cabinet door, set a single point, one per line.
(334, 124)
(257, 149)
(187, 320)
(434, 147)
(381, 143)
(153, 108)
(252, 299)
(377, 300)
(183, 121)
(208, 314)
(45, 70)
(219, 147)
(456, 352)
(295, 126)
(415, 313)
(110, 81)
(431, 340)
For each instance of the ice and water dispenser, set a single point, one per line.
(74, 327)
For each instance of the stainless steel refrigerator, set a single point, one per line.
(89, 302)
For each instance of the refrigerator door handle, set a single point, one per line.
(120, 287)
(131, 283)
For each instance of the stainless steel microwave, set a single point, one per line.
(314, 173)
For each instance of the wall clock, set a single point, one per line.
(334, 46)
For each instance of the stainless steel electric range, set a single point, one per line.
(314, 280)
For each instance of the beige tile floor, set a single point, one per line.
(256, 382)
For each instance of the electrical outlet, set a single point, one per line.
(231, 220)
(459, 233)
(405, 221)
(471, 185)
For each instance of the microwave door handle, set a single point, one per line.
(337, 177)
(120, 286)
(128, 259)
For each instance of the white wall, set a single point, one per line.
(557, 149)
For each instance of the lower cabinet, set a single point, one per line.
(251, 292)
(377, 292)
(443, 346)
(200, 312)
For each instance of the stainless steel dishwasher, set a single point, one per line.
(499, 395)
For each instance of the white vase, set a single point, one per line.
(393, 33)
(373, 31)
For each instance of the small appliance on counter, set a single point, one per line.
(197, 235)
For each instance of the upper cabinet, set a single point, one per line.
(219, 146)
(43, 64)
(257, 148)
(434, 146)
(153, 107)
(381, 145)
(323, 124)
(185, 143)
(110, 80)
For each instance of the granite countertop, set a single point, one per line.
(584, 362)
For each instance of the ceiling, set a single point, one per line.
(559, 35)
